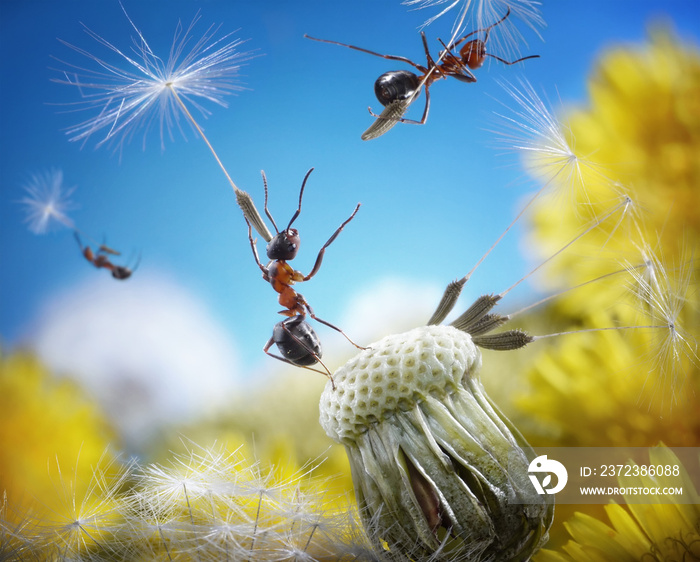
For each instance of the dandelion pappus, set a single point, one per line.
(100, 259)
(397, 89)
(295, 338)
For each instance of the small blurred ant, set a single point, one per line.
(100, 259)
(295, 338)
(397, 89)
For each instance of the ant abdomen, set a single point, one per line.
(297, 341)
(120, 272)
(396, 85)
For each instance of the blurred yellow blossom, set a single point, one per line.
(65, 498)
(642, 132)
(634, 149)
(247, 421)
(52, 438)
(633, 387)
(654, 532)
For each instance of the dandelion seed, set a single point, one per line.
(189, 479)
(630, 217)
(47, 202)
(142, 89)
(663, 298)
(543, 141)
(88, 522)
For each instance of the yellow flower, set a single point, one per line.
(632, 387)
(204, 504)
(654, 532)
(641, 131)
(198, 504)
(52, 441)
(631, 149)
(247, 422)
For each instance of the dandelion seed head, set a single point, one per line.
(419, 434)
(206, 475)
(543, 141)
(135, 88)
(87, 521)
(395, 372)
(471, 15)
(47, 202)
(662, 298)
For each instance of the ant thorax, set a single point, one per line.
(281, 274)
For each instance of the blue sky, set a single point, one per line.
(434, 197)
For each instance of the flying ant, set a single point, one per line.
(100, 259)
(295, 338)
(397, 89)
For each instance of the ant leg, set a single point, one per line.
(319, 258)
(427, 107)
(403, 120)
(327, 372)
(107, 250)
(301, 194)
(87, 252)
(390, 57)
(430, 61)
(311, 313)
(78, 240)
(255, 250)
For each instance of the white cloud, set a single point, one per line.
(147, 349)
(390, 305)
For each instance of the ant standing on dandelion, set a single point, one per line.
(397, 89)
(295, 338)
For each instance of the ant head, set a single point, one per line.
(474, 53)
(395, 86)
(284, 245)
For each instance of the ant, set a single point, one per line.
(397, 89)
(294, 337)
(100, 259)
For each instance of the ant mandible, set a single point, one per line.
(397, 89)
(100, 259)
(294, 337)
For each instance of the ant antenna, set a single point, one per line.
(504, 61)
(301, 194)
